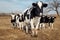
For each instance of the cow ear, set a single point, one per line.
(45, 5)
(34, 4)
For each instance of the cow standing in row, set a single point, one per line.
(27, 19)
(17, 20)
(13, 19)
(51, 21)
(45, 19)
(20, 21)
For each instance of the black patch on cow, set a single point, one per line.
(45, 5)
(42, 20)
(13, 21)
(21, 20)
(51, 19)
(36, 11)
(27, 15)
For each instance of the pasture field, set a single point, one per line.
(8, 33)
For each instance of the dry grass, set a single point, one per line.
(8, 33)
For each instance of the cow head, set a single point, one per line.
(20, 16)
(39, 7)
(39, 4)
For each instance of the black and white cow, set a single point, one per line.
(36, 11)
(13, 19)
(51, 20)
(21, 21)
(45, 19)
(17, 20)
(27, 19)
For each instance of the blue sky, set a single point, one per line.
(15, 5)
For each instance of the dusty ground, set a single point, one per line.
(8, 33)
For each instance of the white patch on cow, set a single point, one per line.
(12, 16)
(20, 16)
(38, 22)
(32, 25)
(28, 12)
(40, 4)
(26, 18)
(41, 14)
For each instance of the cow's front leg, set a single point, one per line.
(22, 24)
(51, 25)
(19, 25)
(32, 27)
(40, 26)
(38, 21)
(43, 24)
(26, 29)
(37, 26)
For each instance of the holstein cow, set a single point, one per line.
(19, 21)
(27, 18)
(51, 20)
(45, 19)
(13, 19)
(42, 21)
(36, 11)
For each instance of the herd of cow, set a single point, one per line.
(26, 20)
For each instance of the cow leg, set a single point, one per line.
(52, 25)
(49, 25)
(32, 27)
(36, 31)
(14, 25)
(26, 29)
(22, 25)
(19, 25)
(43, 25)
(40, 25)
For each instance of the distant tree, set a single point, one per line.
(54, 5)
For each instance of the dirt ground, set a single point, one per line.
(8, 33)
